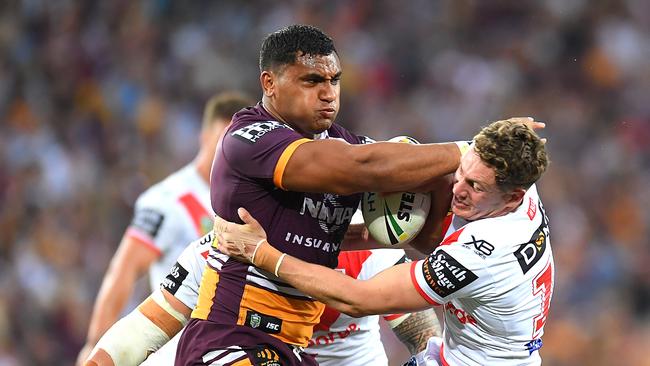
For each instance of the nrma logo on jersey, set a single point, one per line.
(331, 214)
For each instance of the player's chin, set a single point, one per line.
(322, 124)
(462, 211)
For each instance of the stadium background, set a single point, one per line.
(100, 99)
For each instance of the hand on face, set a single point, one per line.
(238, 241)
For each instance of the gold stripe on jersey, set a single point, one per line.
(206, 293)
(298, 316)
(244, 362)
(284, 159)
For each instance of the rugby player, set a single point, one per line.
(493, 273)
(337, 340)
(274, 159)
(167, 216)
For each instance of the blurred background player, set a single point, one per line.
(167, 216)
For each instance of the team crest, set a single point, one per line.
(255, 320)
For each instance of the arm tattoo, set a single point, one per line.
(417, 329)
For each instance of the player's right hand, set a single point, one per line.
(239, 241)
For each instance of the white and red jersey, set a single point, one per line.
(169, 215)
(338, 339)
(494, 278)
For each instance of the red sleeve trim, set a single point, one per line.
(392, 316)
(142, 239)
(418, 288)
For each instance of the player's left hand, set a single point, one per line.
(239, 241)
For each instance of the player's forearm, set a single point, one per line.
(415, 330)
(144, 330)
(322, 283)
(390, 167)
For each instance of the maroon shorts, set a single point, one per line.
(205, 343)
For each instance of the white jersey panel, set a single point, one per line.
(343, 340)
(494, 278)
(171, 214)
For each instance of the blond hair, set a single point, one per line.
(222, 106)
(514, 151)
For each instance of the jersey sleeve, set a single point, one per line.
(454, 270)
(154, 223)
(261, 149)
(184, 278)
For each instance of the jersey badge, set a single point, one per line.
(445, 275)
(529, 253)
(253, 132)
(533, 345)
(148, 220)
(174, 279)
(265, 323)
(481, 247)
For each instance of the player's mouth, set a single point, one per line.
(459, 204)
(327, 113)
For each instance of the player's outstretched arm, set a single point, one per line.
(391, 291)
(147, 328)
(129, 263)
(335, 166)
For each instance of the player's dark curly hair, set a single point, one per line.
(283, 46)
(514, 150)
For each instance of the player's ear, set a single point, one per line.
(267, 80)
(515, 195)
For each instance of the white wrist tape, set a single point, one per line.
(134, 337)
(259, 243)
(159, 298)
(277, 265)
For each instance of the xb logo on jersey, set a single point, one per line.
(481, 247)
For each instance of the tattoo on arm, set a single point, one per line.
(417, 329)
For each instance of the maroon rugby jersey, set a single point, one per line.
(247, 172)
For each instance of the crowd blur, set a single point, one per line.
(100, 99)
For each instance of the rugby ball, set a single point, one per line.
(395, 218)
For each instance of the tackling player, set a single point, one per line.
(493, 273)
(338, 339)
(167, 216)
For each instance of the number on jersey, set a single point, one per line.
(543, 286)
